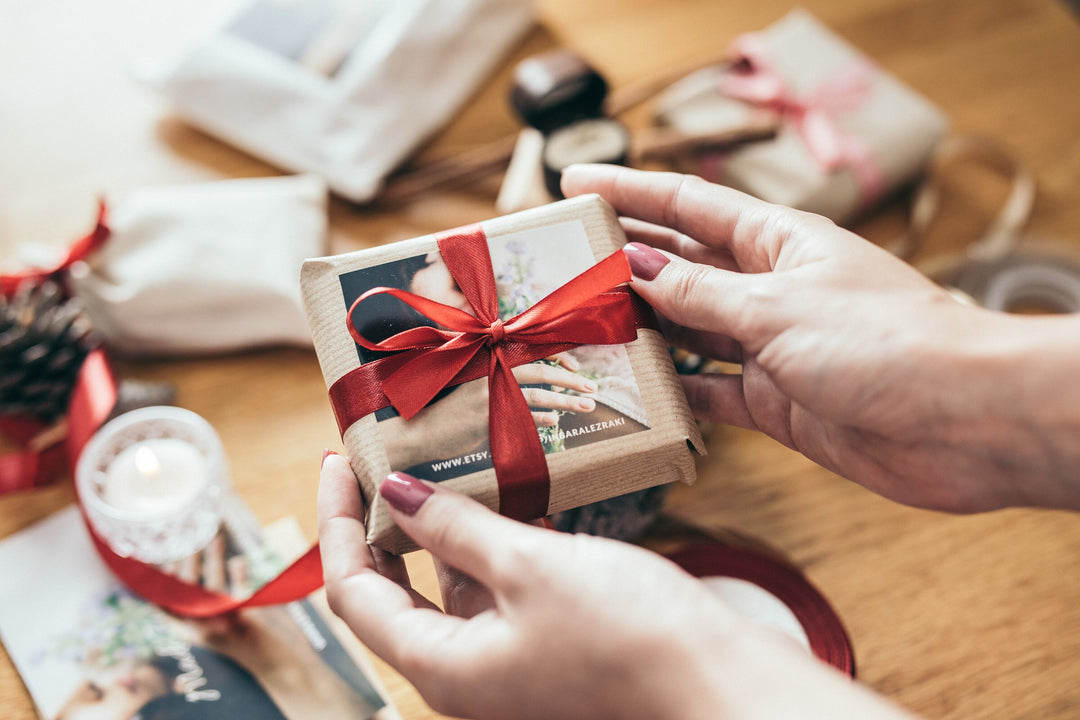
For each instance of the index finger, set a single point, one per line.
(385, 615)
(342, 534)
(714, 215)
(342, 537)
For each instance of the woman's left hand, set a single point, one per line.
(556, 625)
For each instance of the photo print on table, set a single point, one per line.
(449, 438)
(87, 647)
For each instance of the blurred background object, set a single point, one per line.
(345, 89)
(205, 267)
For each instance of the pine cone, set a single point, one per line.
(44, 338)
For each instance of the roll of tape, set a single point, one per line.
(556, 88)
(595, 140)
(1030, 279)
(1034, 282)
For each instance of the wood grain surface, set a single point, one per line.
(953, 617)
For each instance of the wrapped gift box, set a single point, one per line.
(851, 133)
(639, 435)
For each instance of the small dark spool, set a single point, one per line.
(556, 88)
(592, 140)
(555, 91)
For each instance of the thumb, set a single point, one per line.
(460, 531)
(742, 306)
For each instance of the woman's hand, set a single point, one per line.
(535, 377)
(849, 355)
(557, 626)
(458, 422)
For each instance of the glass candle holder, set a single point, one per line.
(153, 483)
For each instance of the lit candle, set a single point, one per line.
(154, 483)
(154, 477)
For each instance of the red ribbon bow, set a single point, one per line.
(588, 310)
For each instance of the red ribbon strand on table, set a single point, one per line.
(91, 402)
(814, 115)
(591, 309)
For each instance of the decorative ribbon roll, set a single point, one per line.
(39, 460)
(1003, 269)
(827, 637)
(589, 310)
(815, 115)
(1005, 229)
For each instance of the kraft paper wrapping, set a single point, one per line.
(898, 127)
(659, 454)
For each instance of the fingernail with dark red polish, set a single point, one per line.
(326, 453)
(404, 492)
(645, 262)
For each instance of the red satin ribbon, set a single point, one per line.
(588, 310)
(31, 466)
(91, 402)
(78, 250)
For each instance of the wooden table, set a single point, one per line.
(954, 617)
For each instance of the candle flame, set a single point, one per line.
(146, 462)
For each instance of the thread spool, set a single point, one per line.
(1002, 270)
(1034, 278)
(593, 140)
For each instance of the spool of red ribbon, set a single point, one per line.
(828, 639)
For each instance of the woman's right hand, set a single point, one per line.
(848, 354)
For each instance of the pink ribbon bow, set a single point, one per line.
(816, 114)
